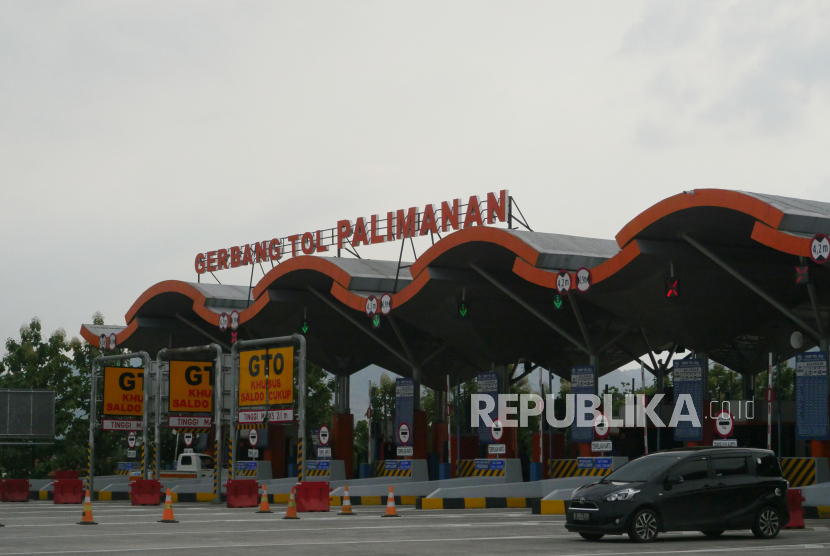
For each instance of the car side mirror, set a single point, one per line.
(674, 480)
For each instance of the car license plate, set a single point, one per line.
(581, 516)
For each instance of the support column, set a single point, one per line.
(439, 426)
(343, 426)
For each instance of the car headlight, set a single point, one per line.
(626, 494)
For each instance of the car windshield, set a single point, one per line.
(643, 469)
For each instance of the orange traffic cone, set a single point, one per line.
(264, 508)
(346, 509)
(291, 512)
(87, 519)
(167, 515)
(390, 505)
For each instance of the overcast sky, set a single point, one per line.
(134, 135)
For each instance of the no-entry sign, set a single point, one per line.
(601, 426)
(252, 437)
(188, 439)
(324, 435)
(496, 430)
(403, 433)
(724, 423)
(131, 440)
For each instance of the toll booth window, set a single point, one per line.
(207, 462)
(187, 460)
(692, 470)
(729, 467)
(767, 466)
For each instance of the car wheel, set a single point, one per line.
(767, 524)
(591, 536)
(713, 533)
(643, 526)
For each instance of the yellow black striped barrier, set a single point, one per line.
(393, 468)
(799, 471)
(561, 468)
(473, 503)
(246, 426)
(193, 430)
(480, 468)
(300, 458)
(317, 468)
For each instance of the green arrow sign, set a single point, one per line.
(376, 321)
(557, 301)
(305, 327)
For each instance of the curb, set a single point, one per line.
(374, 500)
(817, 512)
(473, 503)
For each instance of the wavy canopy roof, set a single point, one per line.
(713, 241)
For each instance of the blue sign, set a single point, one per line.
(487, 384)
(811, 396)
(404, 408)
(390, 464)
(585, 463)
(311, 466)
(688, 379)
(582, 382)
(124, 466)
(497, 464)
(323, 465)
(404, 465)
(482, 464)
(602, 463)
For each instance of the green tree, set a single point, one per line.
(724, 383)
(63, 367)
(361, 443)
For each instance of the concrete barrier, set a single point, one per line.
(325, 470)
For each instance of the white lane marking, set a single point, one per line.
(278, 531)
(237, 546)
(398, 541)
(267, 519)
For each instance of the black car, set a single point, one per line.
(695, 489)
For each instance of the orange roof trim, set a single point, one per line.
(781, 241)
(122, 336)
(547, 278)
(304, 262)
(495, 236)
(358, 302)
(174, 286)
(734, 200)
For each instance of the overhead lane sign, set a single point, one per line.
(191, 387)
(123, 391)
(397, 225)
(252, 367)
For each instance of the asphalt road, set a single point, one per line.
(44, 528)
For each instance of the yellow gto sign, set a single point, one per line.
(191, 387)
(123, 391)
(252, 364)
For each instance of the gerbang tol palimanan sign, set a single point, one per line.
(401, 224)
